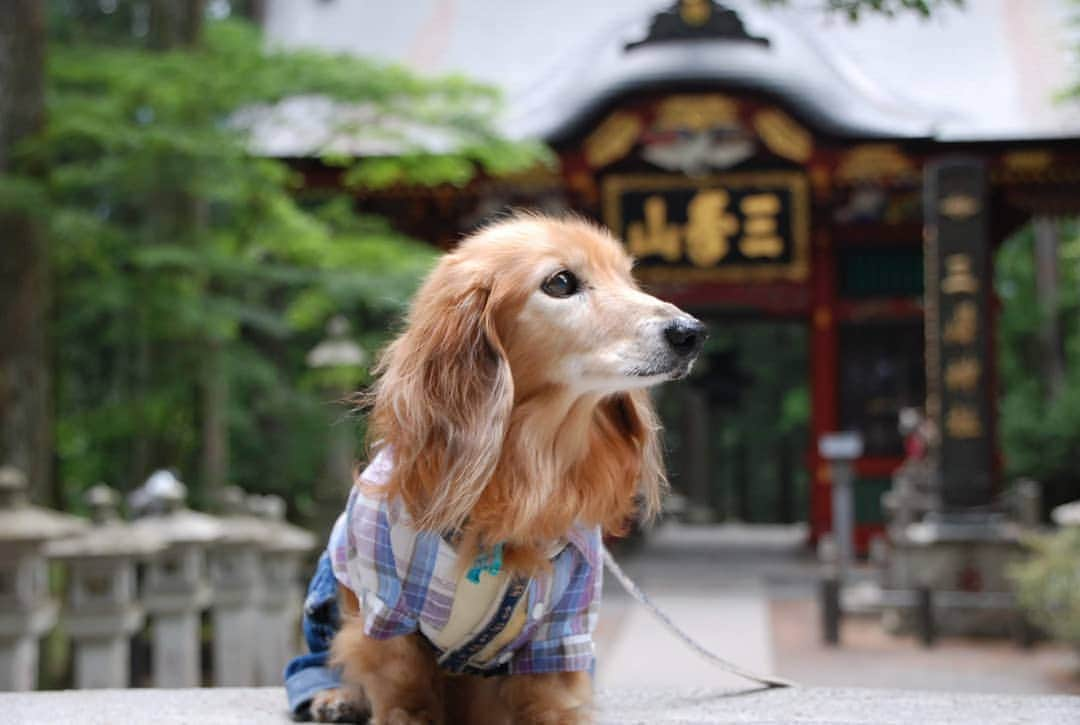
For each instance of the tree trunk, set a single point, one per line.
(215, 425)
(174, 215)
(696, 455)
(742, 480)
(25, 426)
(785, 476)
(1046, 292)
(175, 23)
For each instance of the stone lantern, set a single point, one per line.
(26, 611)
(237, 577)
(337, 349)
(283, 553)
(103, 610)
(176, 588)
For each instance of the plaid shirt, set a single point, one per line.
(406, 580)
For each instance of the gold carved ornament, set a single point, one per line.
(612, 139)
(783, 136)
(874, 162)
(695, 13)
(1027, 161)
(695, 112)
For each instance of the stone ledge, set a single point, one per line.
(231, 706)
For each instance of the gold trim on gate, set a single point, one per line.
(797, 270)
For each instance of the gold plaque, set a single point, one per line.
(737, 227)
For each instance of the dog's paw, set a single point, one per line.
(340, 704)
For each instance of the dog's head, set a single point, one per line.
(518, 383)
(579, 320)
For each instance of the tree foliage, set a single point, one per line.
(1048, 583)
(855, 10)
(172, 241)
(1040, 432)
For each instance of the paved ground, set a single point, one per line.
(713, 582)
(749, 593)
(870, 657)
(228, 706)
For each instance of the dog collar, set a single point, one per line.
(491, 562)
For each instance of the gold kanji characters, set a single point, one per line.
(655, 235)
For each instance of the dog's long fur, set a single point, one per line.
(509, 421)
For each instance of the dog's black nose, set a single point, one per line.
(686, 336)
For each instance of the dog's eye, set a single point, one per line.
(561, 284)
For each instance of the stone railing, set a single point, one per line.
(168, 566)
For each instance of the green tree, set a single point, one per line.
(1040, 427)
(190, 272)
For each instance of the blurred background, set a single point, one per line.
(214, 212)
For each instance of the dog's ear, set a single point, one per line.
(628, 437)
(443, 398)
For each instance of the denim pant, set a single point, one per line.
(309, 674)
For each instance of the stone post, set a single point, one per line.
(102, 609)
(841, 450)
(26, 610)
(176, 588)
(282, 593)
(236, 575)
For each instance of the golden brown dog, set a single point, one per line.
(514, 405)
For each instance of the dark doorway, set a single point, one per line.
(737, 428)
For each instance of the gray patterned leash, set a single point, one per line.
(633, 590)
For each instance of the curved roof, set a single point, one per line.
(826, 90)
(977, 71)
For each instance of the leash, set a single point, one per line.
(642, 598)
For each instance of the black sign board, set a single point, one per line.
(729, 227)
(958, 361)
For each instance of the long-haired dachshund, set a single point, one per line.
(509, 427)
